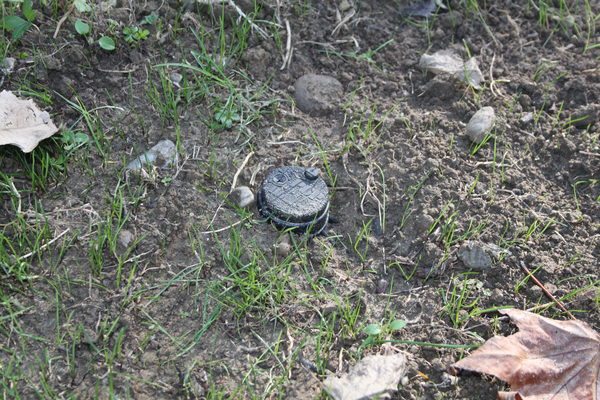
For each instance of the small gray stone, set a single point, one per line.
(317, 95)
(125, 238)
(345, 5)
(441, 62)
(372, 377)
(481, 124)
(527, 117)
(473, 254)
(162, 155)
(176, 78)
(241, 197)
(382, 285)
(7, 65)
(283, 248)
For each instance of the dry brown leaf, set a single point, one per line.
(22, 123)
(547, 359)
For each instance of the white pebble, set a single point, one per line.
(241, 197)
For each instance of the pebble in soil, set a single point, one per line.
(317, 95)
(162, 155)
(242, 197)
(481, 124)
(473, 254)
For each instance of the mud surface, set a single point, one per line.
(408, 189)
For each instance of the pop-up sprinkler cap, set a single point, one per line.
(295, 197)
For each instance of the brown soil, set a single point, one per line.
(408, 165)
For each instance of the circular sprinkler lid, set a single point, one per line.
(295, 197)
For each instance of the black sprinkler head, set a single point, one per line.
(295, 197)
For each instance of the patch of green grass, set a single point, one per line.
(410, 194)
(360, 243)
(93, 123)
(324, 153)
(462, 298)
(364, 125)
(366, 56)
(22, 240)
(164, 97)
(105, 241)
(255, 281)
(234, 100)
(325, 338)
(41, 168)
(448, 222)
(572, 18)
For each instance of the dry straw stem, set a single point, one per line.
(288, 47)
(63, 19)
(45, 245)
(343, 22)
(546, 292)
(239, 170)
(242, 14)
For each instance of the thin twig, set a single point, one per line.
(587, 153)
(116, 71)
(63, 19)
(343, 22)
(17, 195)
(221, 229)
(239, 170)
(45, 245)
(546, 292)
(262, 33)
(288, 47)
(492, 82)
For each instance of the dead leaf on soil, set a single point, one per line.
(547, 359)
(374, 375)
(22, 123)
(448, 62)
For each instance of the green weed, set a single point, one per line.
(410, 194)
(366, 56)
(13, 23)
(462, 297)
